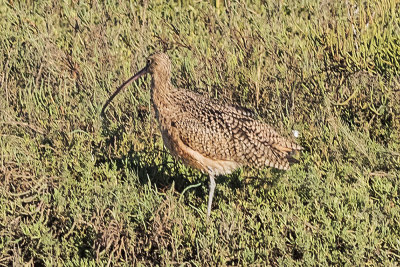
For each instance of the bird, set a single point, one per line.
(208, 134)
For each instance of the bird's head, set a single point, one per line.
(159, 63)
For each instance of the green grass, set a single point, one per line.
(79, 190)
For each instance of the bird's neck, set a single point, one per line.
(161, 89)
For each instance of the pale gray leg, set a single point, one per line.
(211, 194)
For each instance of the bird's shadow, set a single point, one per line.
(242, 178)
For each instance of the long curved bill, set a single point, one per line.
(125, 84)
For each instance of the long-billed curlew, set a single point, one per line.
(207, 135)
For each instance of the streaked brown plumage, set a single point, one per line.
(207, 135)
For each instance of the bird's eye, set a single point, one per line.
(148, 62)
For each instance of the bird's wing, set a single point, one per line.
(224, 132)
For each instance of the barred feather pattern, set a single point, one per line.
(210, 135)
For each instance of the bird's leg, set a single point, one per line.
(211, 194)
